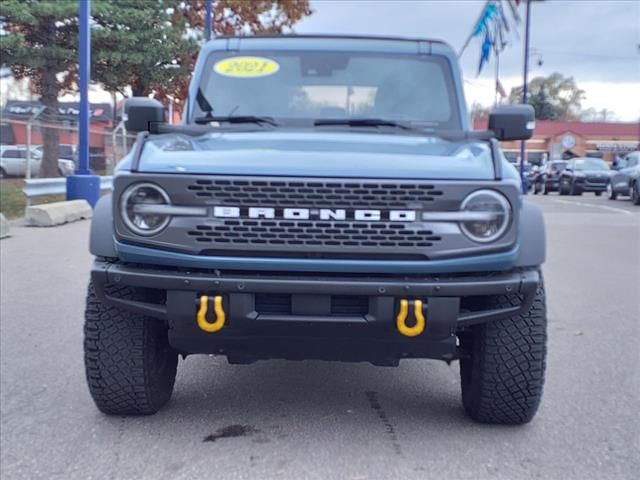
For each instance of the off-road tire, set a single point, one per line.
(502, 381)
(129, 364)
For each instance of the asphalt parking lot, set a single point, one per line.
(314, 420)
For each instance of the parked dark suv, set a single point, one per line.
(548, 179)
(584, 175)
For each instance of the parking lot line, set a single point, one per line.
(604, 207)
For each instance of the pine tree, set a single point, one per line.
(40, 41)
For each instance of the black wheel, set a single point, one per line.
(536, 188)
(611, 193)
(598, 193)
(502, 381)
(563, 187)
(129, 364)
(573, 190)
(635, 193)
(3, 174)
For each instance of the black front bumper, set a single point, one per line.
(338, 317)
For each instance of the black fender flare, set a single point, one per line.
(531, 230)
(101, 238)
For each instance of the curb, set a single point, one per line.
(57, 213)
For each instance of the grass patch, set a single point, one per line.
(12, 200)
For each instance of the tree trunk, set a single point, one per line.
(50, 136)
(138, 88)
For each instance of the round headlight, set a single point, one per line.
(496, 221)
(137, 208)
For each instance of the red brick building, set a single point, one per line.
(553, 139)
(16, 113)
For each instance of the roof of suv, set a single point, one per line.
(330, 42)
(335, 36)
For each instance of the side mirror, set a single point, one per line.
(141, 112)
(568, 169)
(512, 122)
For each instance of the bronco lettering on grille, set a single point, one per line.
(365, 215)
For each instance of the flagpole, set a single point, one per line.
(524, 89)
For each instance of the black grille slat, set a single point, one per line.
(310, 193)
(333, 234)
(306, 235)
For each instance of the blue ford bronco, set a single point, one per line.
(323, 198)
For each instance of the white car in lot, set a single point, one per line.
(13, 162)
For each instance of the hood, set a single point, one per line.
(316, 154)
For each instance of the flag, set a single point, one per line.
(487, 15)
(485, 51)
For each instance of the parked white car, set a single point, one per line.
(65, 151)
(13, 162)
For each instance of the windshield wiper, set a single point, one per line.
(235, 119)
(362, 122)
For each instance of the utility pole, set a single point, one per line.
(30, 121)
(525, 90)
(83, 184)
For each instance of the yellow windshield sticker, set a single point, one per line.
(246, 67)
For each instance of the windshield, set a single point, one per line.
(590, 164)
(294, 86)
(558, 165)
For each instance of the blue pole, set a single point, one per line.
(85, 62)
(83, 184)
(525, 182)
(207, 19)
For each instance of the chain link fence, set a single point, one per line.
(22, 147)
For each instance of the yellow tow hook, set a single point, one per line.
(401, 319)
(203, 323)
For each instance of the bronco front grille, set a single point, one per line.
(311, 193)
(314, 234)
(396, 232)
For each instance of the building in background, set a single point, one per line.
(562, 140)
(16, 113)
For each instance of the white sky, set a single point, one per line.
(596, 42)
